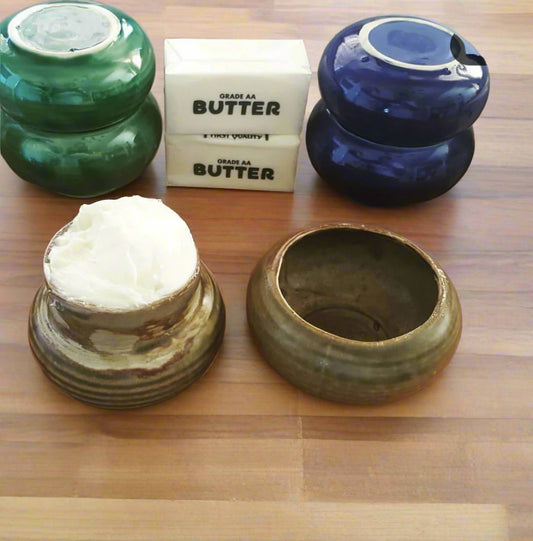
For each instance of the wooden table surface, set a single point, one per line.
(242, 454)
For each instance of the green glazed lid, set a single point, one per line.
(73, 66)
(83, 164)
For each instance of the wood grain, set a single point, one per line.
(242, 454)
(151, 519)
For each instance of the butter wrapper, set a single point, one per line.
(235, 161)
(235, 86)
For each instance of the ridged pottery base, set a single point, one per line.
(129, 359)
(353, 314)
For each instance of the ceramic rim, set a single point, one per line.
(71, 45)
(440, 278)
(364, 39)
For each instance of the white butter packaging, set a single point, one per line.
(234, 111)
(236, 161)
(235, 86)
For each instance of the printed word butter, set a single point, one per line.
(235, 161)
(235, 86)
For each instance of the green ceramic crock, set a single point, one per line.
(353, 314)
(73, 66)
(83, 164)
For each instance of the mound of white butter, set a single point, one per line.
(122, 254)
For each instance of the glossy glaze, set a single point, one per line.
(353, 314)
(77, 92)
(128, 359)
(383, 175)
(84, 164)
(403, 81)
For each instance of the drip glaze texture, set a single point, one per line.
(122, 356)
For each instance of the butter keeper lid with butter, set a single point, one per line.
(128, 315)
(235, 86)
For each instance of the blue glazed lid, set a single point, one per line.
(403, 80)
(73, 66)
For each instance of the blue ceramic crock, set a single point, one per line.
(384, 175)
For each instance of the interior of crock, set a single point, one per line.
(358, 284)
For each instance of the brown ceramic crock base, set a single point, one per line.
(128, 370)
